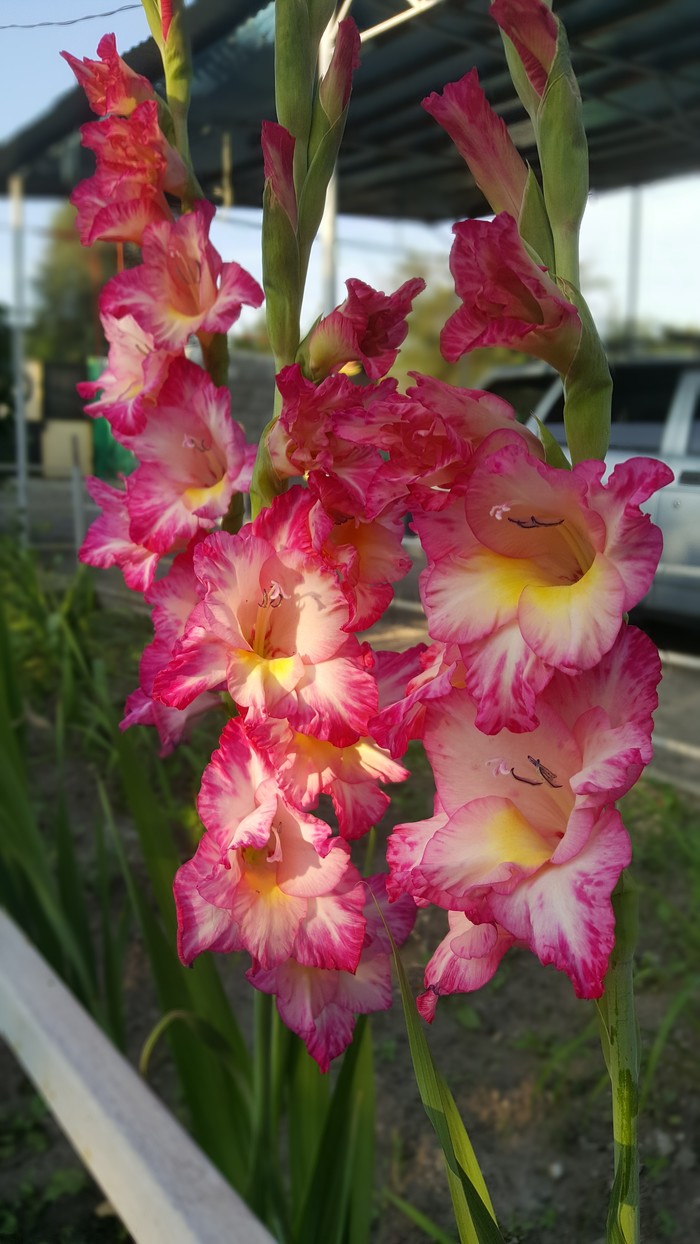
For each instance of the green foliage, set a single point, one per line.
(67, 326)
(472, 1206)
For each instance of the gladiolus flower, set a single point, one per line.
(538, 572)
(129, 385)
(467, 958)
(369, 328)
(192, 454)
(266, 877)
(483, 141)
(110, 85)
(270, 628)
(319, 1005)
(173, 598)
(532, 28)
(525, 835)
(182, 287)
(507, 300)
(116, 210)
(307, 767)
(108, 542)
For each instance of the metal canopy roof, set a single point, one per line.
(638, 64)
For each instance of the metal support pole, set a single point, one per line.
(77, 495)
(16, 188)
(634, 263)
(226, 170)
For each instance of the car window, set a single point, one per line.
(642, 394)
(523, 392)
(694, 441)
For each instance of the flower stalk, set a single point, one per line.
(620, 1041)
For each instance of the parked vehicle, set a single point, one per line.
(655, 414)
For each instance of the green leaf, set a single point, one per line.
(587, 390)
(415, 1216)
(689, 992)
(217, 1107)
(313, 194)
(281, 280)
(553, 452)
(563, 152)
(470, 1199)
(295, 68)
(533, 222)
(330, 1211)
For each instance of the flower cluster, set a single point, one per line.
(534, 698)
(192, 456)
(536, 705)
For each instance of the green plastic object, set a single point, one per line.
(110, 459)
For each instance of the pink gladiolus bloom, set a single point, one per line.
(110, 85)
(534, 571)
(368, 556)
(172, 724)
(173, 598)
(532, 28)
(426, 674)
(525, 835)
(336, 84)
(136, 167)
(108, 542)
(507, 300)
(116, 210)
(307, 767)
(431, 435)
(369, 327)
(278, 162)
(134, 147)
(320, 1005)
(182, 286)
(483, 141)
(192, 454)
(304, 440)
(270, 628)
(467, 958)
(129, 386)
(166, 17)
(266, 877)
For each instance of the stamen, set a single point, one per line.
(527, 781)
(528, 523)
(549, 777)
(497, 512)
(276, 595)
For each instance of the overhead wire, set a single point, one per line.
(69, 21)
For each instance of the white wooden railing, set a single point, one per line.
(160, 1183)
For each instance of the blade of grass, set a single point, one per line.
(420, 1220)
(326, 1209)
(678, 1003)
(472, 1206)
(217, 1107)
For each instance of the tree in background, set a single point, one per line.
(67, 326)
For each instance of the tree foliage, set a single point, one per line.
(67, 327)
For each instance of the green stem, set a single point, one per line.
(619, 1037)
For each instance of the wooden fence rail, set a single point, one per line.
(160, 1183)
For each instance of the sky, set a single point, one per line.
(34, 75)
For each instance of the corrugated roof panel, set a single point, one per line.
(638, 63)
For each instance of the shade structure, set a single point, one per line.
(637, 61)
